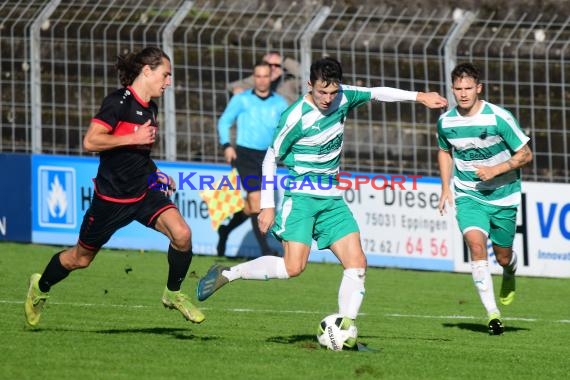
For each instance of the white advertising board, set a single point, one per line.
(399, 221)
(542, 242)
(402, 228)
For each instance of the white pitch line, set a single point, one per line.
(273, 311)
(461, 317)
(430, 316)
(83, 304)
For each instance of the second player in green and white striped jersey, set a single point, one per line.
(483, 147)
(486, 138)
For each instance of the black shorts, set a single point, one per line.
(104, 218)
(248, 164)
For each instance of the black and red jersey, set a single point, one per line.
(124, 172)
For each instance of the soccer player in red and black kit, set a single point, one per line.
(123, 133)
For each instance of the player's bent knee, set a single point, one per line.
(181, 238)
(294, 271)
(503, 260)
(356, 261)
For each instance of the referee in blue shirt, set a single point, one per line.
(256, 113)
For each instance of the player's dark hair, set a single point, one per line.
(468, 70)
(131, 64)
(326, 69)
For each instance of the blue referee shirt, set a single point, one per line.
(256, 119)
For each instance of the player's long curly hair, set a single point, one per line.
(130, 65)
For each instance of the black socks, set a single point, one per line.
(54, 273)
(178, 265)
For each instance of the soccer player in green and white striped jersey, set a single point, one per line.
(309, 141)
(482, 145)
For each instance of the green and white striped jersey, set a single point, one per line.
(488, 138)
(309, 142)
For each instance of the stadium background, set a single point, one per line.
(57, 64)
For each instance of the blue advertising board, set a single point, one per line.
(63, 187)
(15, 207)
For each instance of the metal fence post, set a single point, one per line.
(35, 75)
(169, 101)
(305, 46)
(450, 50)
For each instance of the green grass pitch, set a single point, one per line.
(107, 322)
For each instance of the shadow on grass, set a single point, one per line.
(177, 333)
(310, 341)
(480, 327)
(417, 338)
(305, 338)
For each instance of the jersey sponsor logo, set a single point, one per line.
(56, 197)
(332, 145)
(479, 156)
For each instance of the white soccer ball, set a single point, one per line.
(337, 332)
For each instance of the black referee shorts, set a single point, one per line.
(104, 218)
(248, 164)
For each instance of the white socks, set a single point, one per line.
(484, 284)
(262, 268)
(351, 292)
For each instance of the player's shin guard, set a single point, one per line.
(178, 264)
(351, 292)
(484, 284)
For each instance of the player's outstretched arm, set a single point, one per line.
(390, 94)
(431, 99)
